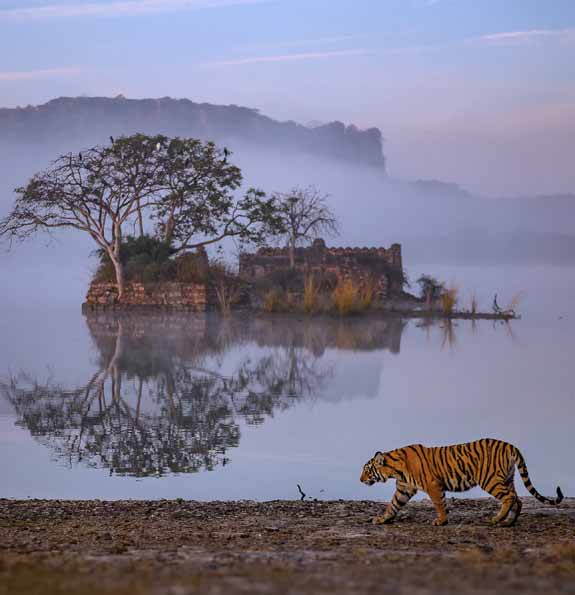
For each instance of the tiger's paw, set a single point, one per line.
(381, 520)
(439, 522)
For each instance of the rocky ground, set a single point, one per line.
(177, 547)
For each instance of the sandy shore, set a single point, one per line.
(178, 547)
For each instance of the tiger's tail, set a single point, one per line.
(522, 467)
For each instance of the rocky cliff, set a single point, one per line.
(89, 120)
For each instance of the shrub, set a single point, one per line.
(149, 260)
(282, 279)
(145, 259)
(191, 267)
(430, 289)
(227, 285)
(345, 296)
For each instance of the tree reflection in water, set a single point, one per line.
(161, 402)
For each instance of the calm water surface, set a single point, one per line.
(211, 408)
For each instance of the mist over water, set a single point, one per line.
(434, 222)
(209, 408)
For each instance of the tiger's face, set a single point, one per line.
(374, 470)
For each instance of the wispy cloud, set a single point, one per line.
(531, 36)
(115, 8)
(301, 43)
(30, 75)
(289, 57)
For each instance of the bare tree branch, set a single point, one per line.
(305, 216)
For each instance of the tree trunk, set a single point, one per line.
(169, 231)
(292, 253)
(116, 261)
(119, 269)
(140, 219)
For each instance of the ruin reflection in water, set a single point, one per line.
(162, 401)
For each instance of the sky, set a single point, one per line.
(477, 92)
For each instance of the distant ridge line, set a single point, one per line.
(95, 118)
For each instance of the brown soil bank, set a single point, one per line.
(178, 547)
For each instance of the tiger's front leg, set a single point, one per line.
(402, 496)
(437, 495)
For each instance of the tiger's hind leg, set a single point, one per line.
(515, 512)
(504, 491)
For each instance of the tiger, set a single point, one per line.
(488, 463)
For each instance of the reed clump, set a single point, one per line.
(316, 296)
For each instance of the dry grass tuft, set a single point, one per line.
(515, 301)
(310, 295)
(505, 554)
(272, 301)
(290, 301)
(366, 295)
(345, 296)
(564, 552)
(473, 303)
(473, 556)
(449, 299)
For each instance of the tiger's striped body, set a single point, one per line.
(487, 463)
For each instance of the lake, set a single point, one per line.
(213, 408)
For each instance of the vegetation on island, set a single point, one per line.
(320, 294)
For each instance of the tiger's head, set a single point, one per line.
(374, 470)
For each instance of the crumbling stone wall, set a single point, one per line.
(382, 266)
(193, 297)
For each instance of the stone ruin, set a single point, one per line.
(381, 266)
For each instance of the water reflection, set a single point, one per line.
(171, 392)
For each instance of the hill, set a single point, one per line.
(77, 121)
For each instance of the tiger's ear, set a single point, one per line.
(378, 457)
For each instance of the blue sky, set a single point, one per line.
(481, 92)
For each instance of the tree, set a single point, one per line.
(184, 185)
(305, 216)
(430, 288)
(98, 191)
